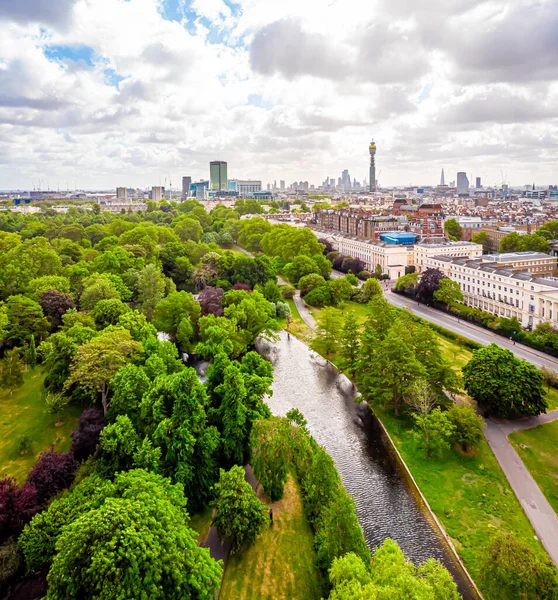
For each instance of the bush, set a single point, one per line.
(364, 275)
(52, 473)
(468, 426)
(288, 291)
(318, 297)
(282, 310)
(85, 438)
(309, 282)
(10, 561)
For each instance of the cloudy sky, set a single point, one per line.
(130, 92)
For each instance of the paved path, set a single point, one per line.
(537, 508)
(527, 423)
(303, 310)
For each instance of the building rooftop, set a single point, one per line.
(511, 256)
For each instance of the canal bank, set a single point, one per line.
(387, 504)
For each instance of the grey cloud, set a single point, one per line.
(35, 103)
(496, 107)
(521, 45)
(382, 54)
(283, 47)
(49, 12)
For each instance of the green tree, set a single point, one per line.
(534, 243)
(240, 515)
(328, 332)
(108, 312)
(512, 569)
(503, 384)
(171, 311)
(449, 292)
(97, 287)
(407, 283)
(133, 546)
(510, 242)
(97, 361)
(11, 373)
(151, 289)
(270, 450)
(433, 432)
(119, 442)
(128, 385)
(25, 318)
(421, 397)
(340, 291)
(371, 287)
(56, 404)
(349, 346)
(453, 229)
(309, 282)
(320, 483)
(482, 238)
(468, 426)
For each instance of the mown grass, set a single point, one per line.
(468, 493)
(298, 327)
(279, 565)
(200, 522)
(24, 414)
(537, 449)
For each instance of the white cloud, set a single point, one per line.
(279, 98)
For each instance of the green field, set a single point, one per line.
(279, 565)
(468, 493)
(24, 414)
(537, 449)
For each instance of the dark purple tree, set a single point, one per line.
(85, 437)
(242, 286)
(52, 473)
(211, 301)
(18, 505)
(338, 261)
(354, 265)
(54, 305)
(328, 245)
(428, 284)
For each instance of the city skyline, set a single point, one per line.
(94, 91)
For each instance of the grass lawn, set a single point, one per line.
(298, 327)
(201, 522)
(537, 449)
(24, 414)
(279, 565)
(469, 494)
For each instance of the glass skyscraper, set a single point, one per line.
(218, 175)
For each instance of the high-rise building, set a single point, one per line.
(478, 184)
(121, 194)
(372, 149)
(186, 183)
(282, 185)
(157, 193)
(218, 174)
(443, 178)
(346, 180)
(462, 183)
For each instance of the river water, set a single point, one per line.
(385, 505)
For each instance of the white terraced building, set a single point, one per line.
(503, 291)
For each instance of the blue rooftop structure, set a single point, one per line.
(402, 238)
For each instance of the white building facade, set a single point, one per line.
(501, 291)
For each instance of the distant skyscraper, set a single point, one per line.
(156, 193)
(282, 185)
(121, 194)
(462, 183)
(218, 175)
(332, 183)
(186, 183)
(478, 183)
(443, 178)
(372, 149)
(346, 180)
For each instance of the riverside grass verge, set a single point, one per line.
(468, 493)
(23, 414)
(280, 564)
(537, 449)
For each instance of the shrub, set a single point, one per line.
(288, 291)
(309, 282)
(282, 310)
(10, 561)
(364, 275)
(318, 297)
(85, 438)
(52, 473)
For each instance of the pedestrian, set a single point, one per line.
(271, 515)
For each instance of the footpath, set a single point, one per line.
(537, 508)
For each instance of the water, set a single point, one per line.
(385, 505)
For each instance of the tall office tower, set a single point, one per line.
(156, 193)
(218, 175)
(332, 183)
(346, 180)
(443, 178)
(275, 184)
(186, 183)
(121, 194)
(282, 185)
(462, 183)
(478, 184)
(372, 149)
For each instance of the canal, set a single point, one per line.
(385, 502)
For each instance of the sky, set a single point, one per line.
(104, 93)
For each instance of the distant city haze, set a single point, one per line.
(107, 93)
